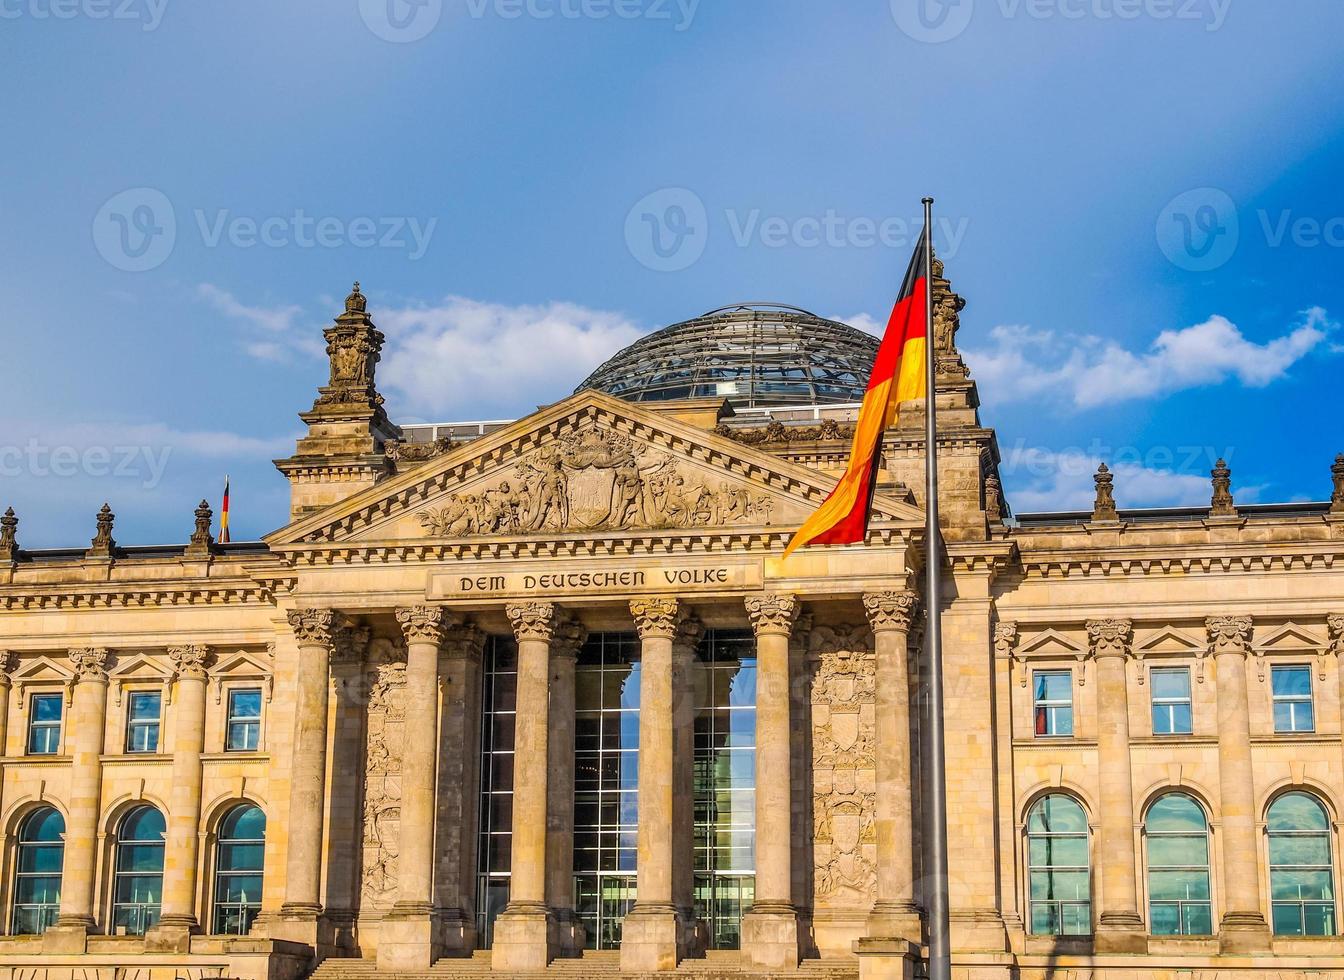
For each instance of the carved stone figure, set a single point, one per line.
(382, 777)
(1336, 498)
(1222, 505)
(1103, 507)
(9, 529)
(103, 544)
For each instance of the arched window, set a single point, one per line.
(1178, 868)
(1301, 872)
(37, 876)
(137, 888)
(1057, 861)
(238, 869)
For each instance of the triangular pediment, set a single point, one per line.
(1170, 640)
(590, 466)
(1289, 638)
(1050, 643)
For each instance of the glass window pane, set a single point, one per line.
(1058, 851)
(1182, 720)
(1291, 680)
(1287, 920)
(1297, 811)
(1198, 920)
(1171, 683)
(1300, 885)
(47, 707)
(1178, 885)
(145, 706)
(1165, 919)
(1058, 814)
(1177, 852)
(245, 703)
(1176, 813)
(1311, 850)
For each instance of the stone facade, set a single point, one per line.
(331, 676)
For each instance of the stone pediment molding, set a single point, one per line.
(592, 467)
(139, 668)
(1052, 644)
(241, 665)
(1171, 642)
(1292, 640)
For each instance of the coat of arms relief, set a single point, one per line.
(597, 479)
(382, 775)
(844, 778)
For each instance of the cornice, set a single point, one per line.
(1208, 559)
(139, 595)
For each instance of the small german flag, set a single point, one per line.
(224, 515)
(898, 376)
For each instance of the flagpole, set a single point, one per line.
(935, 877)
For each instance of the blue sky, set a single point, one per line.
(1141, 199)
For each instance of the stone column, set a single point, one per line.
(406, 940)
(1119, 926)
(8, 663)
(316, 632)
(569, 935)
(344, 843)
(458, 800)
(651, 936)
(895, 915)
(181, 855)
(770, 928)
(1243, 927)
(689, 633)
(524, 929)
(84, 737)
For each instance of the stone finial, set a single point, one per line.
(90, 663)
(201, 538)
(1336, 498)
(1222, 505)
(1103, 507)
(315, 627)
(657, 618)
(103, 544)
(9, 530)
(356, 301)
(189, 660)
(532, 620)
(1110, 637)
(1229, 634)
(891, 610)
(423, 624)
(772, 613)
(993, 500)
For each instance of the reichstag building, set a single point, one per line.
(543, 698)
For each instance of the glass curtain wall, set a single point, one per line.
(606, 783)
(498, 701)
(725, 783)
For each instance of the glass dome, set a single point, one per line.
(754, 354)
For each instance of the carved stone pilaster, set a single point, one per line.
(1103, 507)
(532, 620)
(315, 626)
(90, 664)
(891, 610)
(1222, 504)
(1229, 634)
(424, 624)
(1005, 648)
(189, 660)
(772, 613)
(658, 617)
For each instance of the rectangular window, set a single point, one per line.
(1171, 701)
(1292, 699)
(44, 724)
(142, 721)
(244, 721)
(1054, 702)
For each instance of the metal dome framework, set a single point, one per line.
(754, 354)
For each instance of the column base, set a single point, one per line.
(895, 921)
(456, 932)
(69, 935)
(770, 937)
(296, 923)
(406, 939)
(887, 959)
(978, 931)
(568, 936)
(1243, 932)
(652, 939)
(1120, 933)
(172, 934)
(522, 939)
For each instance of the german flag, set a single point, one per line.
(898, 376)
(224, 515)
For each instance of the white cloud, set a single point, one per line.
(463, 357)
(279, 319)
(864, 322)
(1043, 480)
(1022, 362)
(278, 331)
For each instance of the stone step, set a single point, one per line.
(605, 963)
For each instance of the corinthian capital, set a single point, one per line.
(690, 631)
(349, 645)
(315, 626)
(424, 624)
(532, 620)
(773, 612)
(90, 663)
(1229, 634)
(9, 662)
(890, 611)
(570, 635)
(656, 618)
(1110, 637)
(1336, 624)
(466, 642)
(189, 660)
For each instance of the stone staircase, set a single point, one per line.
(716, 964)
